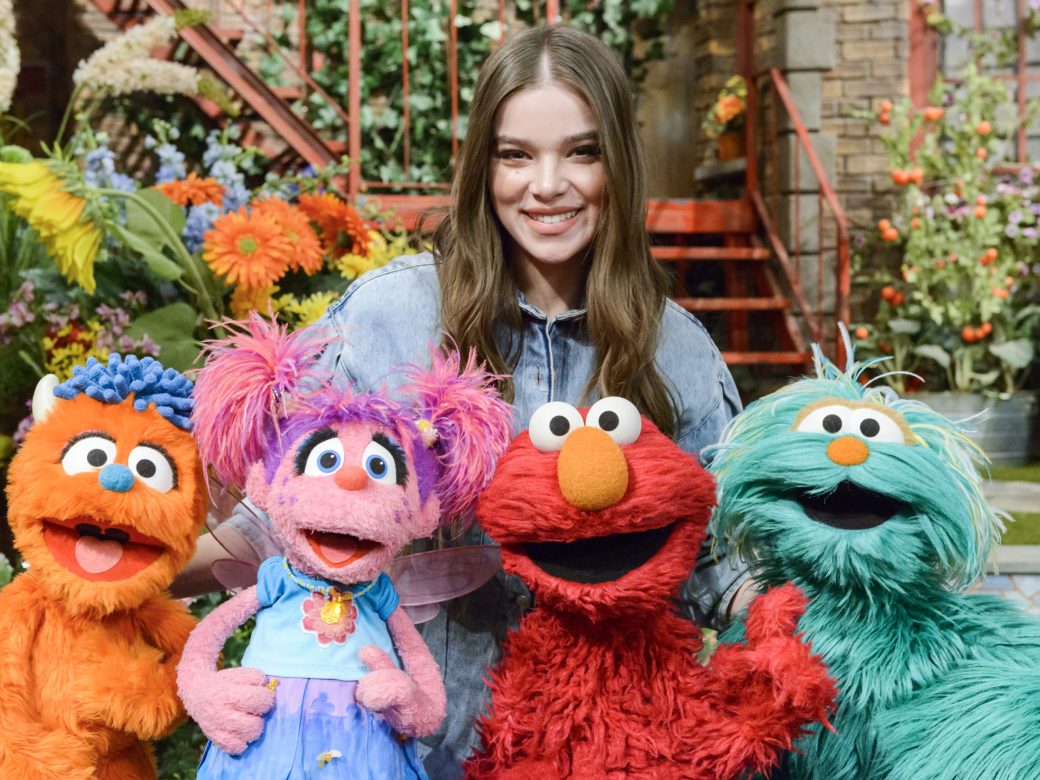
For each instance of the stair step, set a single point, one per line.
(775, 303)
(711, 253)
(773, 358)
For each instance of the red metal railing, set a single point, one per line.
(779, 197)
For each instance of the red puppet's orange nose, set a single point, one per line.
(592, 470)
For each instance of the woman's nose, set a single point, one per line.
(549, 180)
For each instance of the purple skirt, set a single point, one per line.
(316, 730)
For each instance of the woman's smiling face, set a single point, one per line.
(546, 174)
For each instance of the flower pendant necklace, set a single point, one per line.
(337, 602)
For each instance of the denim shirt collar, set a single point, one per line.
(538, 314)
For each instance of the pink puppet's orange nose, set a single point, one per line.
(592, 470)
(848, 451)
(351, 478)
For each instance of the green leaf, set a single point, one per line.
(143, 224)
(1017, 353)
(909, 327)
(933, 352)
(173, 329)
(158, 263)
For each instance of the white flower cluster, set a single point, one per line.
(10, 59)
(124, 64)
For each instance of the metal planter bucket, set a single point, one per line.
(1007, 431)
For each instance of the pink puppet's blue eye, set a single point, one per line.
(321, 455)
(378, 460)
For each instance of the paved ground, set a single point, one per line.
(1015, 569)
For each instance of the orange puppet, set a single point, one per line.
(106, 497)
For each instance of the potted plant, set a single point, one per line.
(963, 308)
(725, 120)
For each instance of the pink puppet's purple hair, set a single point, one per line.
(242, 391)
(473, 425)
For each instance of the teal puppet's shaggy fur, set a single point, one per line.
(911, 654)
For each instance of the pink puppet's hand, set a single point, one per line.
(229, 706)
(388, 690)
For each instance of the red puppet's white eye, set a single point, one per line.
(617, 417)
(551, 423)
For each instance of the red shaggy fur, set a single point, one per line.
(89, 668)
(601, 681)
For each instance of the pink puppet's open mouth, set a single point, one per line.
(338, 550)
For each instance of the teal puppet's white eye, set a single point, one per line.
(875, 425)
(379, 463)
(551, 423)
(153, 467)
(833, 420)
(325, 458)
(617, 417)
(88, 453)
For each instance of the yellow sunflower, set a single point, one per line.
(307, 252)
(246, 249)
(56, 215)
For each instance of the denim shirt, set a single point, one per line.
(389, 317)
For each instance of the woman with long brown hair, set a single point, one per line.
(543, 265)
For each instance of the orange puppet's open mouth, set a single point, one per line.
(338, 550)
(97, 551)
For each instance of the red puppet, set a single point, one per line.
(601, 516)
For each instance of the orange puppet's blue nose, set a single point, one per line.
(116, 477)
(591, 470)
(848, 451)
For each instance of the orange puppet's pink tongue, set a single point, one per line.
(338, 549)
(97, 555)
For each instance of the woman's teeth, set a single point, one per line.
(551, 219)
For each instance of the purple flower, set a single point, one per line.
(1036, 269)
(1025, 176)
(1015, 217)
(1029, 232)
(1011, 231)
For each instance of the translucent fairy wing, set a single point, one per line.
(244, 534)
(234, 575)
(424, 580)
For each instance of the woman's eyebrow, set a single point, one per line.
(588, 135)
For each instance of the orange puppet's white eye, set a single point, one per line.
(153, 467)
(551, 423)
(617, 417)
(88, 453)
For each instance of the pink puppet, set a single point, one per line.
(335, 676)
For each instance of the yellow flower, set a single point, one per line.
(308, 310)
(258, 299)
(56, 215)
(71, 345)
(381, 249)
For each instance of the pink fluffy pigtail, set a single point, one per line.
(466, 422)
(242, 391)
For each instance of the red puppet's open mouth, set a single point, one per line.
(98, 551)
(600, 558)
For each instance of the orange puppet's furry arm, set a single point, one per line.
(106, 497)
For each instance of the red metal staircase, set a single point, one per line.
(733, 266)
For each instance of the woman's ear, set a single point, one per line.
(256, 486)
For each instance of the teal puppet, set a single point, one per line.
(872, 504)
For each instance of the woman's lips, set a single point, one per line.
(551, 223)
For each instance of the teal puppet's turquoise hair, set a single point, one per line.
(947, 525)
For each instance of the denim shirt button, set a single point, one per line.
(523, 602)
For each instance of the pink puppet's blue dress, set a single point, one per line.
(307, 637)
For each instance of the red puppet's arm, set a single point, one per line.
(412, 700)
(763, 693)
(228, 705)
(31, 749)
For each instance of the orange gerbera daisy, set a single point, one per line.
(343, 231)
(307, 252)
(246, 249)
(192, 191)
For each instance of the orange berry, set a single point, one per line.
(888, 293)
(980, 211)
(940, 264)
(968, 334)
(1000, 292)
(980, 200)
(886, 348)
(915, 223)
(884, 118)
(991, 253)
(901, 177)
(985, 260)
(883, 224)
(981, 153)
(952, 257)
(861, 333)
(983, 128)
(933, 112)
(916, 175)
(1008, 281)
(886, 105)
(890, 235)
(897, 299)
(986, 328)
